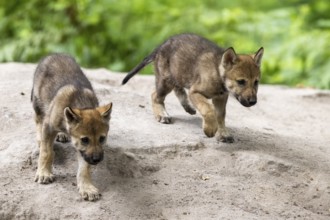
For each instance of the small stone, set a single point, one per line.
(205, 177)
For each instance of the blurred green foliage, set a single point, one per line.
(118, 34)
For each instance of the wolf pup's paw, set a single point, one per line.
(225, 137)
(44, 177)
(189, 109)
(210, 127)
(164, 119)
(63, 138)
(89, 192)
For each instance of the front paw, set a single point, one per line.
(210, 127)
(44, 177)
(164, 119)
(89, 192)
(225, 137)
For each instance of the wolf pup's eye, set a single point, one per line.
(256, 83)
(241, 82)
(84, 140)
(102, 139)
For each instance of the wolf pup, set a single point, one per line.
(188, 61)
(65, 104)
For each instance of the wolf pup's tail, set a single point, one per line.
(140, 66)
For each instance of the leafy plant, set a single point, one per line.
(119, 34)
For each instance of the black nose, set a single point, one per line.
(252, 101)
(93, 159)
(96, 158)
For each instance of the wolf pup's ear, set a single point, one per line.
(105, 111)
(258, 56)
(229, 58)
(71, 116)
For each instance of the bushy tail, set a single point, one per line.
(140, 66)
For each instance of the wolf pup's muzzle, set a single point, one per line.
(94, 158)
(247, 102)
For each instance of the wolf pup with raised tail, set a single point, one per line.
(66, 107)
(188, 61)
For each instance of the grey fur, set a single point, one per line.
(66, 106)
(189, 61)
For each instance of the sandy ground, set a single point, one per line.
(278, 167)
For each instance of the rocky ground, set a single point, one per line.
(277, 168)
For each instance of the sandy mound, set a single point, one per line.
(278, 167)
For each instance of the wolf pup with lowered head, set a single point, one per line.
(188, 61)
(66, 106)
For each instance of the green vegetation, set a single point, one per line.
(118, 34)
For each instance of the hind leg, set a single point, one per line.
(158, 96)
(183, 98)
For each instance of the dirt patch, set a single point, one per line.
(278, 167)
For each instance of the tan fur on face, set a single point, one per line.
(244, 69)
(91, 125)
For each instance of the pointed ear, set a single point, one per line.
(71, 116)
(105, 111)
(258, 56)
(229, 58)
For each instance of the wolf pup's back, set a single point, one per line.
(54, 72)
